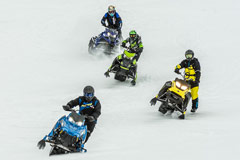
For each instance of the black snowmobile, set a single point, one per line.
(125, 69)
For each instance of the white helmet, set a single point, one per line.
(111, 10)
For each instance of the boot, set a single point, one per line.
(181, 116)
(133, 82)
(193, 110)
(88, 135)
(194, 105)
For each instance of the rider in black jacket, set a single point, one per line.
(192, 75)
(113, 20)
(88, 105)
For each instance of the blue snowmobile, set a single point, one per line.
(67, 136)
(107, 42)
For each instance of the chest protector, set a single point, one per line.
(87, 105)
(190, 73)
(133, 43)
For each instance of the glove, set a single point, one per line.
(139, 50)
(91, 118)
(197, 81)
(107, 74)
(153, 101)
(104, 24)
(111, 27)
(66, 107)
(190, 81)
(41, 144)
(123, 45)
(133, 82)
(177, 71)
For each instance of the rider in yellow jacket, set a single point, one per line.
(192, 75)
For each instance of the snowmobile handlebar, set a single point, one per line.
(67, 108)
(129, 49)
(181, 74)
(75, 110)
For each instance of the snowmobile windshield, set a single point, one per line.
(128, 54)
(76, 118)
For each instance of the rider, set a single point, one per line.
(89, 105)
(192, 75)
(113, 20)
(118, 61)
(135, 43)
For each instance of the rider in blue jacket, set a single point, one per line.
(113, 20)
(88, 104)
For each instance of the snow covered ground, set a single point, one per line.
(44, 63)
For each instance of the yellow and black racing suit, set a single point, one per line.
(192, 75)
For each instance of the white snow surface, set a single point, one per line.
(44, 63)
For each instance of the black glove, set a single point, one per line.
(177, 71)
(197, 81)
(133, 82)
(123, 45)
(153, 101)
(91, 118)
(104, 24)
(107, 74)
(66, 107)
(139, 50)
(111, 27)
(190, 81)
(41, 144)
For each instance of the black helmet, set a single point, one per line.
(88, 93)
(189, 54)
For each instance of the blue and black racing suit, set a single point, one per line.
(114, 22)
(92, 108)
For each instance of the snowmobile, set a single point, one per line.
(125, 69)
(68, 134)
(175, 96)
(107, 42)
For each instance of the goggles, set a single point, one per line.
(188, 56)
(111, 12)
(132, 35)
(88, 94)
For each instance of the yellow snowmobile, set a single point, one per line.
(174, 96)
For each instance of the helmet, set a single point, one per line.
(111, 10)
(189, 54)
(133, 34)
(88, 93)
